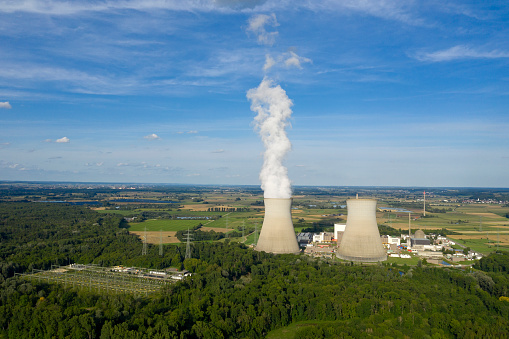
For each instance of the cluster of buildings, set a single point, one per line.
(358, 240)
(431, 248)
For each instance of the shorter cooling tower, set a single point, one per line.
(361, 240)
(277, 235)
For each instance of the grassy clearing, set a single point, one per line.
(289, 331)
(401, 261)
(165, 225)
(250, 239)
(155, 237)
(478, 245)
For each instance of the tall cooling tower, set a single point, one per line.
(277, 235)
(361, 240)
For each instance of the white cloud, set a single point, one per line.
(218, 151)
(48, 140)
(390, 9)
(269, 62)
(62, 140)
(192, 132)
(4, 144)
(460, 52)
(59, 7)
(11, 165)
(295, 60)
(76, 81)
(5, 105)
(152, 136)
(257, 25)
(240, 4)
(120, 164)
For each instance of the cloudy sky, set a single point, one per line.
(386, 93)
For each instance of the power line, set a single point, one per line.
(161, 242)
(188, 238)
(144, 251)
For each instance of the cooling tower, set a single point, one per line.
(361, 240)
(277, 235)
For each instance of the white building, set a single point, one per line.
(322, 237)
(339, 229)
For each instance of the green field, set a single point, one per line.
(166, 225)
(484, 245)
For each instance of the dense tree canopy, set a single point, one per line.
(235, 292)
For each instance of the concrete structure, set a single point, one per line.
(419, 242)
(361, 240)
(323, 237)
(339, 230)
(277, 235)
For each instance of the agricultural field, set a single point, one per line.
(482, 227)
(476, 216)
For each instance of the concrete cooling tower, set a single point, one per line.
(277, 235)
(361, 240)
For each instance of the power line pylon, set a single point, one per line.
(161, 243)
(256, 234)
(188, 244)
(226, 231)
(144, 251)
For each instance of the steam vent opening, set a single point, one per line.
(361, 240)
(277, 235)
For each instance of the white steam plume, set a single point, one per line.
(272, 106)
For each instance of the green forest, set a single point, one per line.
(234, 292)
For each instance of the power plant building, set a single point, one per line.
(361, 240)
(277, 235)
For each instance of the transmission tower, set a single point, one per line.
(256, 233)
(144, 251)
(243, 228)
(161, 243)
(188, 244)
(424, 207)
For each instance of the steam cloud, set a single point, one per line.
(272, 106)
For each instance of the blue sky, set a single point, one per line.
(385, 93)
